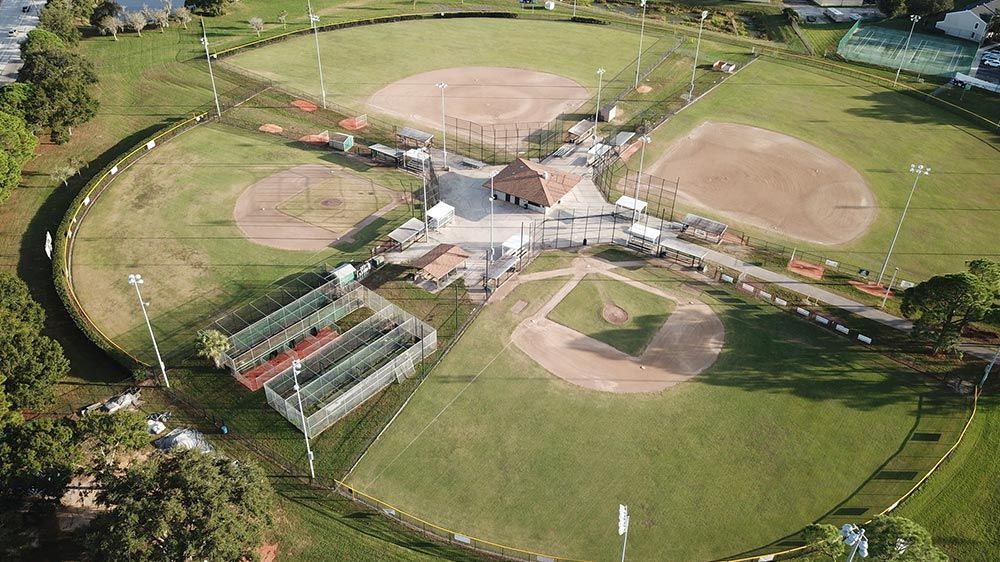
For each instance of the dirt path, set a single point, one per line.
(688, 342)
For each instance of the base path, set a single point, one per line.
(483, 94)
(688, 342)
(770, 180)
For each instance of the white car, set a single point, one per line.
(992, 63)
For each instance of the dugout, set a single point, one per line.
(383, 154)
(701, 228)
(440, 216)
(643, 238)
(416, 160)
(413, 138)
(582, 131)
(407, 234)
(682, 253)
(629, 207)
(515, 246)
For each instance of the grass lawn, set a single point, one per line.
(581, 310)
(824, 37)
(958, 504)
(943, 227)
(571, 50)
(742, 456)
(170, 218)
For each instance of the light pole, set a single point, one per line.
(597, 110)
(855, 536)
(989, 368)
(642, 29)
(574, 8)
(888, 288)
(313, 20)
(644, 139)
(444, 128)
(697, 49)
(623, 519)
(211, 74)
(296, 369)
(489, 254)
(902, 56)
(918, 170)
(135, 280)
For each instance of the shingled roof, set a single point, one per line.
(534, 182)
(440, 261)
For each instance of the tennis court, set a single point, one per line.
(925, 55)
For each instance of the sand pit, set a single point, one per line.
(271, 128)
(807, 269)
(318, 139)
(304, 105)
(643, 89)
(309, 207)
(771, 181)
(688, 342)
(873, 289)
(483, 94)
(614, 314)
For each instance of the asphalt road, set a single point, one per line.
(11, 17)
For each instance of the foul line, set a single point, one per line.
(438, 415)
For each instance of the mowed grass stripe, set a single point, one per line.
(752, 450)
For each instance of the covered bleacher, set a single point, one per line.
(701, 228)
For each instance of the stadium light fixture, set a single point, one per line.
(902, 54)
(444, 129)
(296, 369)
(642, 29)
(855, 536)
(313, 20)
(697, 49)
(644, 139)
(211, 73)
(597, 110)
(918, 170)
(135, 280)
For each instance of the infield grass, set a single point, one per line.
(742, 456)
(581, 310)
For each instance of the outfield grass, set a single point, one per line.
(170, 218)
(945, 225)
(581, 310)
(741, 456)
(824, 37)
(394, 51)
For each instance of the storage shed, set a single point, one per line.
(340, 141)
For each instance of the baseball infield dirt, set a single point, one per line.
(483, 94)
(688, 342)
(770, 180)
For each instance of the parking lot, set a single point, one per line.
(988, 73)
(19, 17)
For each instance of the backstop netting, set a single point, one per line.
(385, 347)
(934, 55)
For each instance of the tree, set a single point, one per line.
(283, 19)
(60, 81)
(14, 98)
(212, 344)
(181, 15)
(888, 535)
(7, 415)
(62, 173)
(943, 305)
(59, 20)
(257, 25)
(110, 25)
(31, 362)
(209, 7)
(928, 7)
(17, 146)
(161, 18)
(40, 40)
(106, 436)
(825, 540)
(889, 7)
(136, 21)
(81, 9)
(988, 271)
(182, 505)
(106, 9)
(37, 459)
(16, 301)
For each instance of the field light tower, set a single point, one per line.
(313, 21)
(697, 49)
(211, 74)
(296, 369)
(623, 526)
(855, 536)
(135, 280)
(489, 255)
(444, 129)
(644, 139)
(642, 29)
(918, 170)
(597, 110)
(902, 55)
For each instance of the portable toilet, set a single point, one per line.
(345, 274)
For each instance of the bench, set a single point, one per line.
(473, 163)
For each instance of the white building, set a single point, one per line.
(965, 24)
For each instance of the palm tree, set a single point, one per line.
(257, 24)
(213, 344)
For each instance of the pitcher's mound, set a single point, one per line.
(614, 314)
